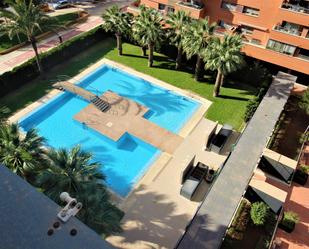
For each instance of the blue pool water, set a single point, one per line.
(123, 161)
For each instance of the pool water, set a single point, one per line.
(125, 160)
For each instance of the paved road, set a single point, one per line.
(19, 56)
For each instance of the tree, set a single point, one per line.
(177, 23)
(259, 213)
(147, 30)
(224, 55)
(197, 36)
(117, 22)
(304, 101)
(22, 153)
(4, 111)
(24, 18)
(74, 172)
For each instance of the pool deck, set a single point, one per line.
(126, 116)
(156, 215)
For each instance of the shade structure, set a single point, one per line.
(271, 195)
(283, 165)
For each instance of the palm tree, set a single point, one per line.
(24, 18)
(147, 30)
(197, 36)
(22, 153)
(177, 22)
(224, 55)
(67, 171)
(117, 22)
(4, 111)
(74, 172)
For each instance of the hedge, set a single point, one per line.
(240, 221)
(28, 71)
(253, 104)
(6, 42)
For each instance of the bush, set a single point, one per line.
(253, 104)
(28, 71)
(304, 168)
(259, 213)
(289, 220)
(304, 101)
(240, 221)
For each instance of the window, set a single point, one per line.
(228, 6)
(251, 11)
(246, 30)
(162, 6)
(281, 47)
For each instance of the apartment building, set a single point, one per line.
(274, 31)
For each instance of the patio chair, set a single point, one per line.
(194, 179)
(220, 139)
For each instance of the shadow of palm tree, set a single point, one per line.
(159, 224)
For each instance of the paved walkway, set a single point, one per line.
(21, 55)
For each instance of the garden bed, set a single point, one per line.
(287, 138)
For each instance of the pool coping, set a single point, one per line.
(163, 158)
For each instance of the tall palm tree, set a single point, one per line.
(198, 35)
(147, 30)
(22, 153)
(177, 22)
(24, 18)
(74, 172)
(224, 55)
(117, 22)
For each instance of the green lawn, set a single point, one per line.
(229, 108)
(6, 42)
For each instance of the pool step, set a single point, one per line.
(100, 104)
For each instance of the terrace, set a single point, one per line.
(297, 6)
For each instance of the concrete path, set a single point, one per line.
(21, 55)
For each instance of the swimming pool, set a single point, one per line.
(124, 161)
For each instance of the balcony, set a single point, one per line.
(288, 30)
(192, 4)
(297, 7)
(194, 8)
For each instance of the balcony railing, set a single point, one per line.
(295, 8)
(287, 30)
(192, 4)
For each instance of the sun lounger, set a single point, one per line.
(194, 179)
(220, 139)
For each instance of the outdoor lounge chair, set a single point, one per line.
(220, 139)
(194, 179)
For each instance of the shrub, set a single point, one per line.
(304, 168)
(259, 213)
(28, 71)
(240, 221)
(251, 108)
(304, 101)
(289, 220)
(254, 103)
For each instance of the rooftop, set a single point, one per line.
(27, 215)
